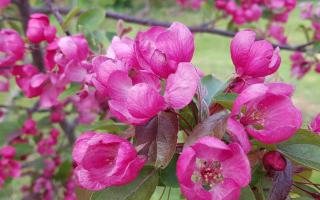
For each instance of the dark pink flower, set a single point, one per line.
(318, 68)
(9, 168)
(136, 100)
(212, 170)
(30, 127)
(11, 47)
(161, 50)
(4, 3)
(39, 29)
(194, 4)
(57, 114)
(267, 112)
(44, 187)
(253, 58)
(8, 152)
(315, 124)
(273, 160)
(105, 160)
(277, 32)
(299, 66)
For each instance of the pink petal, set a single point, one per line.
(238, 134)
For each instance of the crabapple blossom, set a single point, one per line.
(30, 127)
(160, 50)
(194, 4)
(105, 160)
(253, 58)
(259, 107)
(211, 169)
(11, 47)
(39, 29)
(274, 160)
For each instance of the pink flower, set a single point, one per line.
(253, 58)
(299, 66)
(44, 187)
(306, 10)
(260, 107)
(318, 68)
(194, 4)
(57, 114)
(8, 152)
(30, 127)
(273, 160)
(140, 98)
(66, 49)
(277, 32)
(39, 29)
(211, 170)
(122, 49)
(105, 160)
(9, 168)
(315, 124)
(4, 3)
(161, 50)
(11, 47)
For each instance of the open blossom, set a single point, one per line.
(253, 58)
(160, 50)
(8, 152)
(267, 112)
(66, 49)
(140, 98)
(212, 170)
(4, 3)
(11, 47)
(315, 124)
(105, 160)
(39, 29)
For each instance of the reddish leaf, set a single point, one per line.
(158, 138)
(281, 183)
(214, 125)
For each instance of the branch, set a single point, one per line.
(194, 29)
(24, 9)
(68, 129)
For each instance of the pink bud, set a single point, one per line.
(315, 124)
(39, 29)
(8, 152)
(11, 47)
(30, 127)
(274, 160)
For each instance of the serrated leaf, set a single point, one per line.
(92, 19)
(214, 125)
(159, 137)
(304, 154)
(281, 183)
(168, 175)
(247, 194)
(141, 188)
(73, 89)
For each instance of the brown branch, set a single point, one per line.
(194, 29)
(24, 9)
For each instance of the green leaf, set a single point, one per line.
(226, 100)
(305, 154)
(75, 11)
(212, 85)
(141, 188)
(303, 136)
(23, 149)
(73, 89)
(108, 126)
(64, 171)
(247, 194)
(168, 175)
(92, 19)
(158, 139)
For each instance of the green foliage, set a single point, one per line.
(247, 194)
(92, 19)
(141, 188)
(168, 175)
(73, 89)
(226, 100)
(64, 171)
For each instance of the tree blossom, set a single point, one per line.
(161, 50)
(300, 66)
(8, 166)
(11, 47)
(39, 29)
(277, 32)
(30, 127)
(211, 169)
(140, 98)
(105, 160)
(253, 58)
(260, 106)
(194, 4)
(315, 124)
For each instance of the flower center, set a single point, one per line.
(252, 117)
(209, 174)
